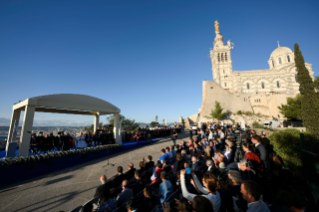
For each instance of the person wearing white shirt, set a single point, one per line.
(209, 164)
(209, 189)
(81, 141)
(228, 153)
(210, 136)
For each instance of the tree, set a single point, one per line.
(91, 128)
(217, 113)
(316, 83)
(127, 124)
(309, 99)
(154, 124)
(292, 110)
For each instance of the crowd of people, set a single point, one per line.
(220, 169)
(61, 141)
(147, 134)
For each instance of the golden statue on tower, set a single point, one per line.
(217, 27)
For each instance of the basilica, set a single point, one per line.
(279, 78)
(256, 91)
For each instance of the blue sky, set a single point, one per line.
(148, 57)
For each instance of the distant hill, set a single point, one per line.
(143, 124)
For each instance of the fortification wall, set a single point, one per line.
(229, 101)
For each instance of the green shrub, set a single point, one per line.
(257, 125)
(239, 112)
(286, 144)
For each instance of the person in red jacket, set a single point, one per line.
(253, 158)
(157, 173)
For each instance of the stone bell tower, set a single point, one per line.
(221, 60)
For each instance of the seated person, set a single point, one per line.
(119, 177)
(209, 189)
(104, 186)
(165, 188)
(125, 195)
(108, 204)
(187, 168)
(149, 201)
(139, 183)
(132, 206)
(164, 156)
(149, 162)
(157, 173)
(167, 167)
(142, 166)
(130, 173)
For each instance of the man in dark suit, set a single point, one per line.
(40, 141)
(139, 183)
(149, 163)
(130, 173)
(195, 166)
(233, 189)
(96, 138)
(119, 177)
(149, 201)
(260, 150)
(125, 195)
(101, 188)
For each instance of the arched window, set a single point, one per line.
(223, 71)
(226, 57)
(262, 85)
(225, 84)
(218, 57)
(279, 60)
(273, 64)
(223, 57)
(278, 85)
(288, 58)
(248, 86)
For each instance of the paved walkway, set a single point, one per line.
(71, 187)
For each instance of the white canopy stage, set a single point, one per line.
(59, 103)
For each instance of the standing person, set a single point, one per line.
(69, 142)
(190, 132)
(96, 138)
(88, 138)
(81, 141)
(251, 193)
(149, 137)
(40, 141)
(174, 136)
(59, 142)
(33, 144)
(260, 150)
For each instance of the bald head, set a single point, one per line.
(124, 184)
(103, 179)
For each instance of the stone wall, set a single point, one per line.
(229, 101)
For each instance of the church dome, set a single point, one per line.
(280, 56)
(280, 51)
